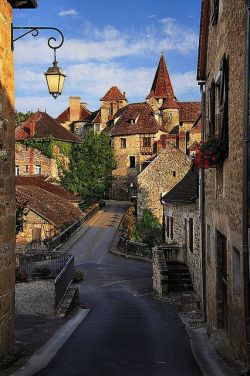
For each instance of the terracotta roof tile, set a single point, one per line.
(65, 115)
(145, 123)
(189, 111)
(162, 86)
(53, 188)
(41, 125)
(113, 94)
(53, 208)
(186, 191)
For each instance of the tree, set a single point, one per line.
(148, 229)
(90, 168)
(20, 117)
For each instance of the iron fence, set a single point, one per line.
(48, 264)
(63, 280)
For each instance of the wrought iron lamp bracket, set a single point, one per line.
(34, 31)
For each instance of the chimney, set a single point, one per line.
(74, 108)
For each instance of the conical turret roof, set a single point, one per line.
(162, 86)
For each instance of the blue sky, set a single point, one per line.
(107, 43)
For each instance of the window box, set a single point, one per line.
(209, 154)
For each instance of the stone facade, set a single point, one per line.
(7, 182)
(166, 170)
(179, 215)
(30, 161)
(223, 185)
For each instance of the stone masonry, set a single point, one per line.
(223, 185)
(167, 169)
(7, 183)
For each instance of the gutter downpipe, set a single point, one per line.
(202, 206)
(245, 213)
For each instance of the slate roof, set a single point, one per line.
(186, 191)
(162, 86)
(189, 111)
(113, 94)
(41, 125)
(49, 206)
(145, 122)
(65, 115)
(39, 181)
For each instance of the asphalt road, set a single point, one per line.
(128, 332)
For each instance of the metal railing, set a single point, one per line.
(63, 280)
(30, 263)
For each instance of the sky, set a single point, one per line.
(107, 43)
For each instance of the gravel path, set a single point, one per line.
(35, 298)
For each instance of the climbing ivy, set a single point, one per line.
(48, 147)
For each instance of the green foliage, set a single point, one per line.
(78, 277)
(20, 117)
(90, 169)
(147, 230)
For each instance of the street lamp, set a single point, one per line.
(54, 76)
(55, 79)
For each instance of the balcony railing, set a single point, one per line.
(147, 150)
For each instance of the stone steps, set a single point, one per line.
(178, 277)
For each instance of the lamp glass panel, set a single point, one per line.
(53, 82)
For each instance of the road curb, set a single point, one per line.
(129, 256)
(43, 356)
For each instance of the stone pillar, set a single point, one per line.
(74, 108)
(7, 183)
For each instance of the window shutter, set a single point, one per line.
(215, 12)
(224, 107)
(191, 235)
(211, 130)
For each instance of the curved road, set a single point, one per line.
(127, 332)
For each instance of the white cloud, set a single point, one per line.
(69, 12)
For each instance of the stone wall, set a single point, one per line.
(31, 157)
(32, 224)
(181, 213)
(223, 186)
(170, 166)
(7, 183)
(123, 174)
(160, 277)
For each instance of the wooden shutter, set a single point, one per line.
(191, 235)
(224, 106)
(211, 130)
(168, 226)
(172, 227)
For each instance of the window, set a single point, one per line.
(168, 226)
(27, 168)
(110, 111)
(17, 170)
(97, 127)
(185, 232)
(191, 235)
(172, 228)
(208, 242)
(236, 272)
(123, 143)
(133, 121)
(132, 161)
(146, 142)
(38, 170)
(218, 107)
(174, 174)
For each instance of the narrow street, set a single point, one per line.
(127, 331)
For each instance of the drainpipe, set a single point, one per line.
(202, 205)
(245, 213)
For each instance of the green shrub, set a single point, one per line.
(78, 277)
(148, 230)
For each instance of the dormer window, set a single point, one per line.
(132, 121)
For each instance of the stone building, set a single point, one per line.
(159, 177)
(7, 178)
(222, 53)
(76, 117)
(134, 131)
(43, 146)
(49, 210)
(182, 224)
